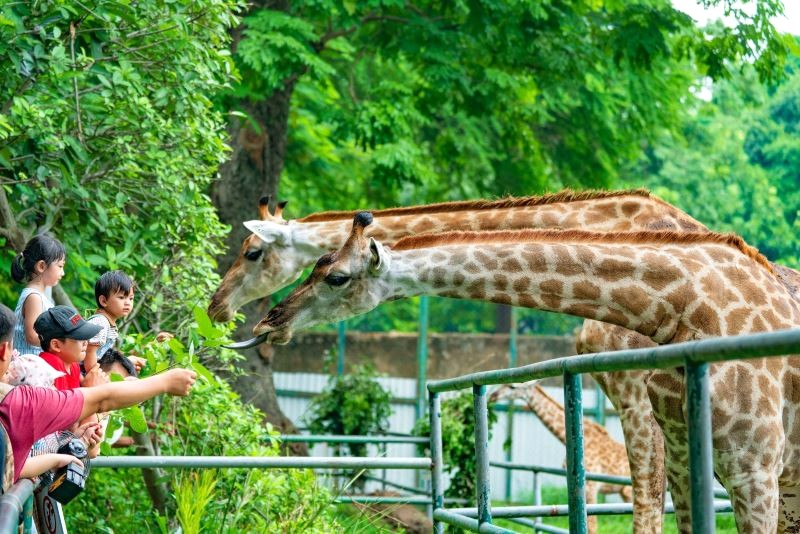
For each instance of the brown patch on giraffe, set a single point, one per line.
(737, 318)
(511, 265)
(527, 301)
(438, 257)
(741, 425)
(635, 299)
(758, 324)
(705, 319)
(536, 261)
(502, 298)
(629, 209)
(521, 285)
(663, 272)
(439, 275)
(585, 290)
(615, 270)
(595, 216)
(733, 241)
(565, 265)
(487, 261)
(501, 281)
(580, 310)
(458, 278)
(566, 195)
(615, 317)
(477, 289)
(551, 291)
(472, 267)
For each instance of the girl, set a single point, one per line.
(41, 266)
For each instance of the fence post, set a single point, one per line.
(341, 330)
(422, 355)
(483, 489)
(576, 475)
(698, 402)
(512, 362)
(437, 457)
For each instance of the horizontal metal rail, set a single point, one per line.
(661, 357)
(12, 503)
(336, 438)
(279, 462)
(599, 477)
(556, 510)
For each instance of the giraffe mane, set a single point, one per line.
(665, 237)
(567, 195)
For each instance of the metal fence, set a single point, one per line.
(693, 356)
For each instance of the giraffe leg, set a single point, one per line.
(644, 444)
(753, 488)
(789, 519)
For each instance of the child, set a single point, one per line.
(41, 266)
(113, 293)
(29, 413)
(64, 335)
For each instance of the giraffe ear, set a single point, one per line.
(270, 232)
(379, 260)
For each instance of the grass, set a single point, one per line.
(361, 521)
(621, 524)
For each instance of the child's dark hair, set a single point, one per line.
(42, 247)
(7, 323)
(111, 356)
(110, 283)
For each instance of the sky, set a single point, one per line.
(790, 23)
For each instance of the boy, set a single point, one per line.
(64, 335)
(29, 413)
(113, 293)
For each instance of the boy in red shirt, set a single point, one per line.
(64, 336)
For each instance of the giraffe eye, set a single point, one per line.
(336, 280)
(253, 255)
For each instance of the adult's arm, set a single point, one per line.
(116, 395)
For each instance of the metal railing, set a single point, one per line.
(693, 356)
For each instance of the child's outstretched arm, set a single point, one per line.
(36, 465)
(116, 395)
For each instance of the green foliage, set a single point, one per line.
(458, 443)
(351, 404)
(211, 421)
(735, 166)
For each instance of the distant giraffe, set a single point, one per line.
(601, 453)
(667, 286)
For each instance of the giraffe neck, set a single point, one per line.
(651, 288)
(551, 414)
(622, 212)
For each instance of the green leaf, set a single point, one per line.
(201, 370)
(135, 418)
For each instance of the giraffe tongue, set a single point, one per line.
(253, 342)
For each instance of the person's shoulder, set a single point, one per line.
(100, 320)
(53, 360)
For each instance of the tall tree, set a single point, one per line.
(385, 102)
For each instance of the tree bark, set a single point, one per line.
(258, 150)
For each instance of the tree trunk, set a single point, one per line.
(252, 172)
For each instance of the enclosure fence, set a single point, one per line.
(694, 356)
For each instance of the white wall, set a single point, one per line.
(532, 443)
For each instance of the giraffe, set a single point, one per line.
(278, 250)
(602, 453)
(667, 286)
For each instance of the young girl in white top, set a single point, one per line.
(40, 266)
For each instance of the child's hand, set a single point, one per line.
(138, 363)
(179, 381)
(90, 433)
(65, 459)
(163, 336)
(94, 377)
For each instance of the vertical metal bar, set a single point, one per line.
(437, 457)
(341, 330)
(702, 473)
(537, 494)
(27, 515)
(422, 355)
(512, 362)
(576, 476)
(482, 490)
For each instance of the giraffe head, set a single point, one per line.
(510, 392)
(266, 262)
(342, 284)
